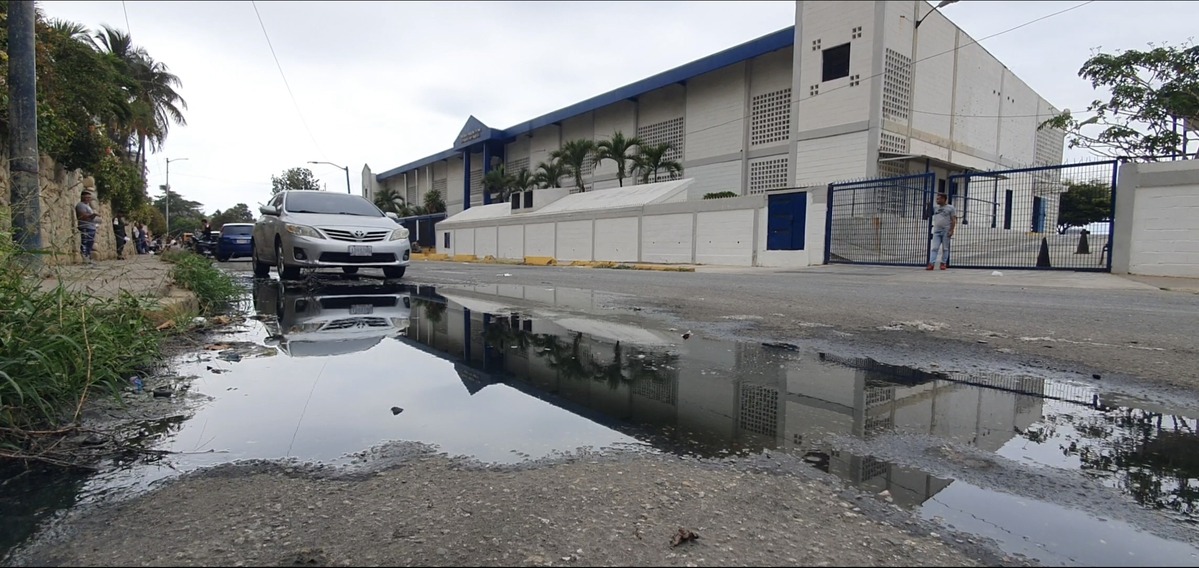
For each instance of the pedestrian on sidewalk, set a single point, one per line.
(118, 228)
(945, 220)
(87, 219)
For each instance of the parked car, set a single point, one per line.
(334, 319)
(320, 229)
(234, 240)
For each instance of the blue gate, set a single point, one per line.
(786, 221)
(1049, 217)
(879, 221)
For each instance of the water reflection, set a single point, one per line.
(332, 319)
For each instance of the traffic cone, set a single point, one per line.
(1043, 257)
(1083, 247)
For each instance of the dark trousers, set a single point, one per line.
(87, 241)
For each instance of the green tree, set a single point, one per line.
(1084, 203)
(575, 154)
(524, 181)
(499, 183)
(652, 158)
(239, 213)
(1154, 94)
(295, 178)
(550, 174)
(434, 202)
(389, 200)
(620, 150)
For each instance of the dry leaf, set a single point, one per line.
(682, 536)
(165, 325)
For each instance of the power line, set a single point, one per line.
(128, 29)
(284, 76)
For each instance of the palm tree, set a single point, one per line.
(524, 181)
(389, 200)
(574, 154)
(652, 158)
(69, 29)
(550, 174)
(498, 182)
(617, 149)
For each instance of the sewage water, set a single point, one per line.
(325, 372)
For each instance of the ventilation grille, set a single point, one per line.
(666, 131)
(768, 174)
(1049, 146)
(759, 410)
(515, 166)
(771, 118)
(476, 184)
(440, 186)
(892, 169)
(661, 389)
(893, 143)
(897, 86)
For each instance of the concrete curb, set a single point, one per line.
(551, 261)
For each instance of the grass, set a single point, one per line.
(56, 346)
(214, 289)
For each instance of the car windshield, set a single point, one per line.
(329, 204)
(237, 229)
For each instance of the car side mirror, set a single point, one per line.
(392, 216)
(268, 210)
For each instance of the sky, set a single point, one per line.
(387, 83)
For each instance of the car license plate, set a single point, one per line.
(362, 309)
(360, 250)
(242, 241)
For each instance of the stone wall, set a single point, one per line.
(60, 191)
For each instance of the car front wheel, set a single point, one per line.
(261, 269)
(285, 272)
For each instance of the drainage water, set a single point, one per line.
(1042, 467)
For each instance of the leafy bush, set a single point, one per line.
(720, 195)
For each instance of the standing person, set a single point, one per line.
(143, 239)
(118, 228)
(87, 219)
(945, 220)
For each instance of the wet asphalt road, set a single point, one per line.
(1139, 342)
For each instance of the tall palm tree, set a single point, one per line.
(617, 149)
(524, 181)
(575, 154)
(651, 159)
(389, 200)
(550, 174)
(69, 29)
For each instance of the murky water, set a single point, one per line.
(337, 369)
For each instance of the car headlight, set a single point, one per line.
(304, 231)
(400, 233)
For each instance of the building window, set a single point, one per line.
(476, 185)
(767, 174)
(836, 62)
(440, 185)
(771, 120)
(515, 166)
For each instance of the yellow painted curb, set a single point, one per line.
(662, 268)
(464, 258)
(540, 260)
(426, 256)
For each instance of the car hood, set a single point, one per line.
(357, 221)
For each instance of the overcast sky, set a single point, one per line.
(385, 83)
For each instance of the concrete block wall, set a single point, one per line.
(1157, 219)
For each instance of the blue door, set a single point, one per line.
(1038, 215)
(786, 221)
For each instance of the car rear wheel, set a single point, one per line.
(261, 269)
(394, 271)
(350, 269)
(285, 272)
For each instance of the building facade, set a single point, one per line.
(852, 90)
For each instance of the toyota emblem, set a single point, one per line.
(359, 234)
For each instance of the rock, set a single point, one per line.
(163, 392)
(396, 410)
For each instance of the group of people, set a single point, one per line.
(88, 220)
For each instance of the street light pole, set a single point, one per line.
(167, 188)
(346, 168)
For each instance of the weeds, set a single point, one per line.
(214, 288)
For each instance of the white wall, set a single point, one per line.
(1157, 219)
(715, 115)
(831, 159)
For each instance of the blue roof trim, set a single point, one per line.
(754, 48)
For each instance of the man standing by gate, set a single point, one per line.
(945, 220)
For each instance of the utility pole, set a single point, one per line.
(25, 193)
(346, 168)
(167, 188)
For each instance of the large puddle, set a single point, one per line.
(1046, 468)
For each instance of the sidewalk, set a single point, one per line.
(140, 275)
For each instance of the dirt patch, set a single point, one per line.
(431, 510)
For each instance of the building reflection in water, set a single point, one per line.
(717, 397)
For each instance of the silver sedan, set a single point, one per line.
(318, 229)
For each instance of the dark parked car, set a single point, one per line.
(234, 241)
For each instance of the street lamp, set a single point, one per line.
(346, 168)
(941, 4)
(167, 188)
